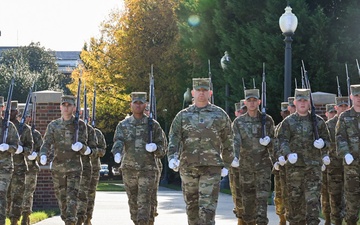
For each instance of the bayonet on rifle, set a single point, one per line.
(263, 104)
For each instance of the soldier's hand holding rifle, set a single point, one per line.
(32, 156)
(117, 158)
(265, 141)
(349, 158)
(19, 150)
(151, 147)
(4, 147)
(235, 162)
(43, 159)
(77, 146)
(174, 164)
(292, 157)
(282, 160)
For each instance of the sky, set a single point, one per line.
(60, 25)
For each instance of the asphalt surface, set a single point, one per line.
(111, 208)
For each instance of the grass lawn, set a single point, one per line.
(110, 185)
(37, 216)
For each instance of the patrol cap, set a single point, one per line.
(291, 101)
(284, 106)
(302, 94)
(2, 101)
(68, 98)
(138, 96)
(201, 83)
(342, 101)
(252, 93)
(355, 89)
(242, 103)
(330, 108)
(14, 105)
(237, 106)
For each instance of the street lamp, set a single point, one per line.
(225, 60)
(288, 23)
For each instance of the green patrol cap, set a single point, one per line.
(291, 101)
(242, 103)
(138, 96)
(330, 108)
(252, 93)
(284, 106)
(14, 105)
(201, 83)
(342, 101)
(237, 106)
(302, 94)
(355, 89)
(68, 98)
(2, 101)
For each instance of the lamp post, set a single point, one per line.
(225, 60)
(288, 23)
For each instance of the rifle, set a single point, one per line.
(295, 81)
(93, 119)
(303, 86)
(348, 84)
(211, 84)
(33, 116)
(254, 83)
(313, 110)
(338, 87)
(244, 84)
(358, 67)
(77, 114)
(23, 117)
(6, 120)
(152, 106)
(263, 104)
(85, 113)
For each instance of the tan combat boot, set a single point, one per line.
(240, 222)
(25, 219)
(14, 221)
(282, 219)
(87, 221)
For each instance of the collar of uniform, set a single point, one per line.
(134, 121)
(71, 120)
(197, 109)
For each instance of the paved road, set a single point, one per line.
(111, 208)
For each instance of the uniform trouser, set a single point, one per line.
(352, 192)
(66, 186)
(303, 188)
(95, 176)
(5, 179)
(16, 194)
(200, 187)
(325, 197)
(256, 186)
(279, 191)
(336, 190)
(139, 185)
(84, 193)
(234, 179)
(30, 186)
(154, 201)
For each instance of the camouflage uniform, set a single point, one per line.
(6, 164)
(31, 178)
(347, 140)
(95, 174)
(206, 138)
(86, 176)
(255, 163)
(66, 166)
(303, 178)
(17, 186)
(139, 167)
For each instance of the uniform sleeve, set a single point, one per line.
(118, 140)
(271, 134)
(38, 141)
(325, 135)
(48, 140)
(13, 138)
(101, 144)
(341, 136)
(159, 141)
(227, 143)
(284, 139)
(236, 138)
(92, 140)
(26, 140)
(175, 137)
(83, 136)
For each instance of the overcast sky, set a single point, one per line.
(61, 25)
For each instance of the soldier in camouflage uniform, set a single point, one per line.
(325, 198)
(302, 156)
(347, 142)
(204, 132)
(7, 150)
(86, 174)
(255, 163)
(335, 170)
(95, 174)
(138, 153)
(17, 186)
(279, 171)
(66, 166)
(31, 175)
(291, 106)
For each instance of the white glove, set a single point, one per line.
(265, 141)
(277, 166)
(4, 147)
(235, 162)
(19, 150)
(151, 147)
(319, 143)
(43, 159)
(323, 167)
(88, 151)
(224, 172)
(326, 160)
(117, 158)
(282, 160)
(292, 157)
(174, 164)
(32, 156)
(77, 146)
(349, 158)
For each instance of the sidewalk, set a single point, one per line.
(112, 208)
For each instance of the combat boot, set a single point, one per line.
(327, 219)
(80, 221)
(338, 222)
(282, 219)
(87, 221)
(14, 221)
(25, 219)
(240, 222)
(151, 222)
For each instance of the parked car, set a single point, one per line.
(104, 170)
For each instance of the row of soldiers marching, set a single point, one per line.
(23, 146)
(311, 159)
